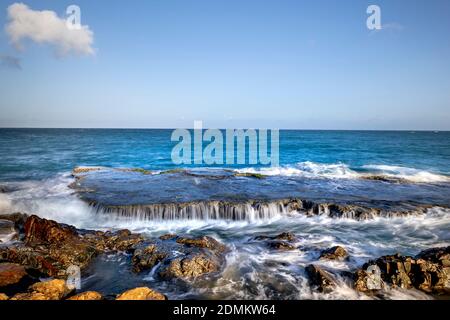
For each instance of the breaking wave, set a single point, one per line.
(342, 171)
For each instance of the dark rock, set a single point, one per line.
(334, 253)
(51, 247)
(168, 236)
(287, 236)
(180, 257)
(280, 245)
(147, 258)
(428, 271)
(279, 242)
(203, 242)
(320, 278)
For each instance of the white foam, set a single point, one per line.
(410, 174)
(342, 171)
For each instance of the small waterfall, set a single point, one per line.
(246, 211)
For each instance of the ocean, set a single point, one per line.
(372, 192)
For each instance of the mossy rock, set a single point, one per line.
(250, 175)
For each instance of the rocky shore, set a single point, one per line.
(35, 260)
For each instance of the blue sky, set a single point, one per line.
(237, 63)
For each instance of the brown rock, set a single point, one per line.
(280, 245)
(142, 293)
(427, 272)
(122, 240)
(3, 297)
(189, 267)
(88, 295)
(168, 236)
(286, 236)
(360, 278)
(334, 253)
(51, 247)
(320, 278)
(48, 290)
(53, 289)
(203, 242)
(37, 258)
(42, 231)
(30, 296)
(11, 273)
(147, 258)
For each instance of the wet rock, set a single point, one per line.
(286, 236)
(436, 255)
(279, 242)
(51, 247)
(30, 296)
(37, 258)
(428, 271)
(88, 295)
(250, 175)
(80, 170)
(180, 257)
(280, 245)
(3, 297)
(122, 240)
(432, 271)
(320, 278)
(48, 290)
(7, 231)
(143, 293)
(43, 231)
(334, 253)
(11, 273)
(203, 242)
(147, 258)
(168, 236)
(190, 267)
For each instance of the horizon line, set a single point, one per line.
(250, 128)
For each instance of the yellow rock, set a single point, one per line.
(53, 289)
(3, 297)
(142, 293)
(88, 295)
(47, 290)
(30, 296)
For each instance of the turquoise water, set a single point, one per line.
(41, 153)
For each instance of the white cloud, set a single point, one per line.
(45, 27)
